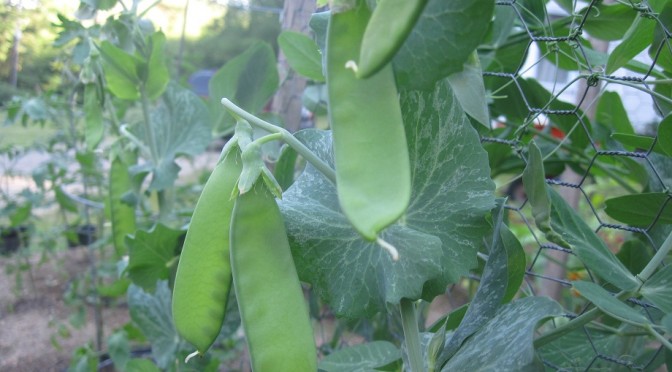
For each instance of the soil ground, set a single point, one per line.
(30, 319)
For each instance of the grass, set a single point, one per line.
(18, 135)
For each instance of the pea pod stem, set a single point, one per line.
(409, 322)
(304, 151)
(285, 135)
(389, 248)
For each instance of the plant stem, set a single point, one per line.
(304, 151)
(635, 86)
(659, 337)
(580, 321)
(409, 322)
(149, 133)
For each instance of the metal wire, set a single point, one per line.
(599, 162)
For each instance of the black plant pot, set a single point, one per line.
(81, 235)
(13, 238)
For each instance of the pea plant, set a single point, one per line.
(397, 201)
(445, 171)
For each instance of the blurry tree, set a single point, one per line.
(25, 45)
(230, 35)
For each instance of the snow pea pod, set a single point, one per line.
(271, 303)
(203, 277)
(371, 156)
(388, 28)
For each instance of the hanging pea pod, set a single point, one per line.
(270, 299)
(203, 278)
(123, 215)
(390, 24)
(372, 164)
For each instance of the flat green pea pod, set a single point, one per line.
(390, 24)
(203, 278)
(372, 166)
(271, 303)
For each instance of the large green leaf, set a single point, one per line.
(93, 113)
(121, 71)
(611, 113)
(608, 303)
(575, 351)
(302, 54)
(494, 285)
(157, 75)
(444, 36)
(180, 126)
(658, 289)
(436, 240)
(150, 252)
(659, 48)
(635, 40)
(640, 209)
(609, 22)
(587, 245)
(249, 80)
(360, 358)
(665, 135)
(505, 342)
(151, 313)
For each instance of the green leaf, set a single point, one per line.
(303, 54)
(64, 201)
(666, 322)
(505, 342)
(119, 349)
(157, 71)
(658, 289)
(640, 209)
(608, 22)
(635, 40)
(141, 365)
(470, 90)
(180, 126)
(248, 80)
(493, 287)
(635, 255)
(122, 214)
(611, 113)
(635, 142)
(442, 40)
(665, 135)
(515, 266)
(360, 358)
(93, 113)
(152, 314)
(285, 167)
(443, 227)
(534, 179)
(608, 303)
(576, 351)
(121, 71)
(660, 40)
(539, 97)
(21, 214)
(588, 246)
(149, 254)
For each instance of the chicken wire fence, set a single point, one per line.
(559, 93)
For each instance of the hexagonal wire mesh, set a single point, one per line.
(581, 135)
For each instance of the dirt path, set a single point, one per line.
(31, 319)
